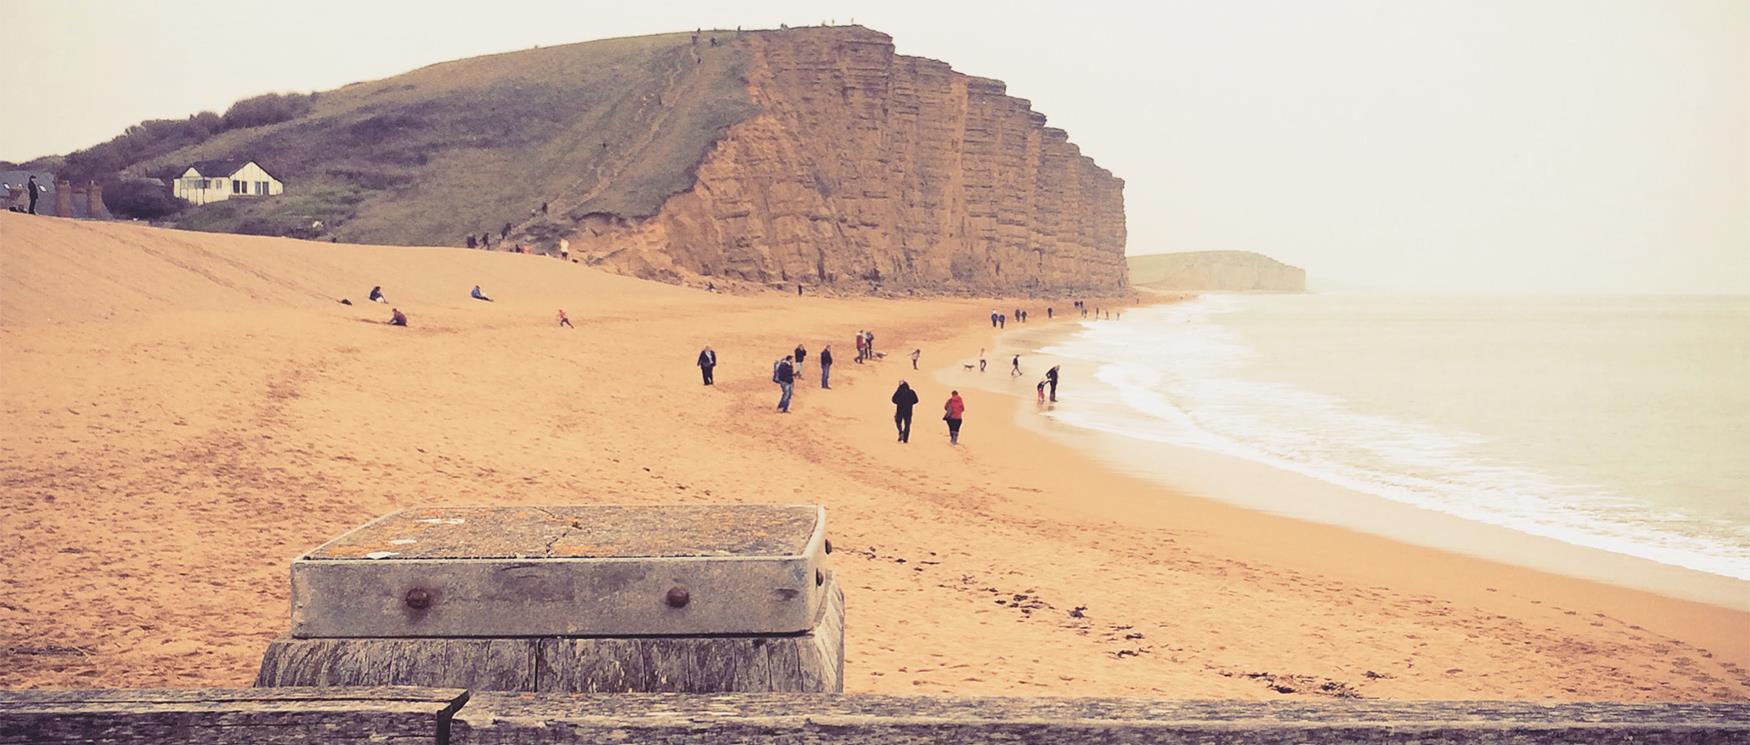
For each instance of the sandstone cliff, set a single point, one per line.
(1216, 270)
(865, 170)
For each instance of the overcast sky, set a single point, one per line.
(1518, 145)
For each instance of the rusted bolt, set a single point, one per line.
(676, 597)
(819, 578)
(829, 545)
(418, 599)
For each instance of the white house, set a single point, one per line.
(219, 180)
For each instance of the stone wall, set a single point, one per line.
(866, 171)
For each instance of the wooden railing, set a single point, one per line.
(438, 716)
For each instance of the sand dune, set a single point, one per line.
(186, 412)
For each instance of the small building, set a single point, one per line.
(219, 180)
(55, 197)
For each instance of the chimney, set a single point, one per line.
(63, 198)
(94, 202)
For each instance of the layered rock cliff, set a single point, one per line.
(865, 170)
(1237, 271)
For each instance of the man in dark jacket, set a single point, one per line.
(784, 374)
(903, 399)
(1051, 379)
(707, 363)
(33, 189)
(825, 366)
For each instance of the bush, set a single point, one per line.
(140, 200)
(268, 108)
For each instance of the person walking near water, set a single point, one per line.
(1051, 378)
(1015, 366)
(801, 354)
(903, 399)
(707, 363)
(954, 411)
(784, 374)
(825, 366)
(915, 353)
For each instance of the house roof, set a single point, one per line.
(218, 167)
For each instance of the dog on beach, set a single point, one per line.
(969, 366)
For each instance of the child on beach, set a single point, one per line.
(1040, 391)
(981, 360)
(478, 295)
(565, 320)
(914, 358)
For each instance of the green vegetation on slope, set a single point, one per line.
(428, 157)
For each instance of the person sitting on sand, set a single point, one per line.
(565, 320)
(954, 411)
(478, 295)
(377, 295)
(903, 399)
(397, 318)
(914, 358)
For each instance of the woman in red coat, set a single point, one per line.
(955, 409)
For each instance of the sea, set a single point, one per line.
(1617, 423)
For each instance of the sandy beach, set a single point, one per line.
(187, 412)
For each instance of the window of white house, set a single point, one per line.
(200, 183)
(261, 188)
(239, 187)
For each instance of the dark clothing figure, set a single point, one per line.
(826, 366)
(1047, 312)
(398, 318)
(478, 295)
(1051, 380)
(1002, 321)
(33, 189)
(377, 295)
(1015, 366)
(505, 233)
(785, 376)
(543, 208)
(707, 363)
(904, 398)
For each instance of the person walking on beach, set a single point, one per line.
(915, 353)
(1002, 320)
(861, 350)
(397, 318)
(1047, 312)
(954, 411)
(707, 363)
(784, 374)
(1015, 366)
(993, 318)
(869, 343)
(1039, 391)
(565, 320)
(801, 354)
(377, 295)
(478, 295)
(981, 360)
(1051, 377)
(903, 399)
(825, 366)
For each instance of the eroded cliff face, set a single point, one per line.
(1231, 271)
(870, 171)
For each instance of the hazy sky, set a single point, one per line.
(1591, 145)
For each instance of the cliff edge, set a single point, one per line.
(1233, 271)
(870, 171)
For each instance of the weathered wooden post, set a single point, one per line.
(576, 599)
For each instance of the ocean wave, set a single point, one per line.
(1173, 374)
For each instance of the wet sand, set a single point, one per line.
(187, 412)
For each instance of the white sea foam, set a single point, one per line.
(1176, 374)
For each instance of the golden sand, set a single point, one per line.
(186, 412)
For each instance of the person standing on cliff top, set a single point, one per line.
(825, 366)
